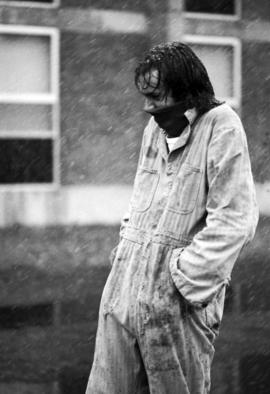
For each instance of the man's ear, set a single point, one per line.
(189, 100)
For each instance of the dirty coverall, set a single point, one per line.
(191, 212)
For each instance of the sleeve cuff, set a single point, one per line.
(196, 293)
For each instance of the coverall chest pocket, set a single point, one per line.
(185, 189)
(145, 186)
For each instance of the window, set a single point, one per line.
(224, 8)
(31, 3)
(222, 59)
(29, 105)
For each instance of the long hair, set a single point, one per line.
(180, 72)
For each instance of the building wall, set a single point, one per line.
(101, 114)
(256, 89)
(259, 10)
(148, 6)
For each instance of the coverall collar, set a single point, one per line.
(191, 115)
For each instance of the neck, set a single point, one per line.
(171, 118)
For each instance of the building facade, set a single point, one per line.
(70, 130)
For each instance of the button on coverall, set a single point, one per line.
(191, 212)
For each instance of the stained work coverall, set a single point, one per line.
(191, 212)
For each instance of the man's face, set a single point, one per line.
(153, 91)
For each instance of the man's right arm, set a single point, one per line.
(126, 216)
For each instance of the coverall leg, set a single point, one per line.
(117, 367)
(149, 339)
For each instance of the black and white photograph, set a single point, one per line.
(134, 196)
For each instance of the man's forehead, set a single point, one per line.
(149, 81)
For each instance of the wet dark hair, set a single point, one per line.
(180, 72)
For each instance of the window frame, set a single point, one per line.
(235, 100)
(55, 4)
(213, 16)
(51, 98)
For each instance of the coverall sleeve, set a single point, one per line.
(202, 268)
(126, 216)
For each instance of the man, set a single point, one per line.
(191, 212)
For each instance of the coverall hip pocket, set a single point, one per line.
(145, 186)
(210, 316)
(185, 190)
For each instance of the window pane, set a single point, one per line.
(25, 64)
(226, 7)
(218, 60)
(25, 117)
(26, 161)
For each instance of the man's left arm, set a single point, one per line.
(201, 269)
